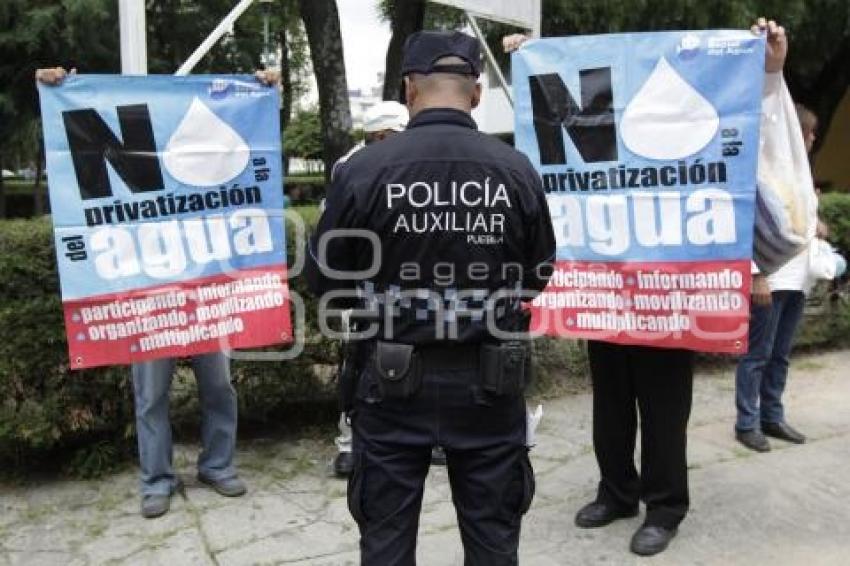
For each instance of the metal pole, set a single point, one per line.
(134, 51)
(266, 50)
(489, 55)
(536, 29)
(213, 38)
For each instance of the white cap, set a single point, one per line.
(386, 115)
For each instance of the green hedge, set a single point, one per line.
(84, 419)
(44, 406)
(41, 401)
(834, 208)
(20, 197)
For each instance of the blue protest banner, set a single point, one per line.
(647, 145)
(167, 201)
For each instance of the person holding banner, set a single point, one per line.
(652, 382)
(454, 225)
(777, 309)
(151, 384)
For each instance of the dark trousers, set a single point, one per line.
(490, 475)
(657, 384)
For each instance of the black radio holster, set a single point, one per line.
(505, 367)
(348, 374)
(399, 368)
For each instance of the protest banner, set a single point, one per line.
(647, 145)
(167, 203)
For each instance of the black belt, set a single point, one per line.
(449, 356)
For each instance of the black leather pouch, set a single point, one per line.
(399, 368)
(505, 367)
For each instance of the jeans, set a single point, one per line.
(762, 372)
(151, 383)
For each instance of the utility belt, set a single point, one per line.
(503, 368)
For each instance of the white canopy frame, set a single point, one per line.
(526, 14)
(131, 14)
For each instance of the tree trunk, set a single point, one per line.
(408, 16)
(321, 21)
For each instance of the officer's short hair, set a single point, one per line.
(440, 81)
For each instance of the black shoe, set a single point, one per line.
(782, 431)
(343, 464)
(438, 456)
(598, 514)
(753, 439)
(651, 539)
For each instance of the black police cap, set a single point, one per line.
(424, 48)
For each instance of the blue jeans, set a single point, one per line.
(762, 372)
(151, 383)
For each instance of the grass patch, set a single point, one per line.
(308, 212)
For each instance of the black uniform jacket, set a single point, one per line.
(426, 225)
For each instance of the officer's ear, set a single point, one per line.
(476, 95)
(410, 92)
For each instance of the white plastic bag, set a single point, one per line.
(786, 204)
(822, 261)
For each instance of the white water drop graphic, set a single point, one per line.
(204, 150)
(668, 118)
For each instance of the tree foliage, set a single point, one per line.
(84, 34)
(405, 18)
(303, 137)
(818, 66)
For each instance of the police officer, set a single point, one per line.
(444, 224)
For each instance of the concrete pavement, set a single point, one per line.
(790, 506)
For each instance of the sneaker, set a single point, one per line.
(228, 487)
(155, 505)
